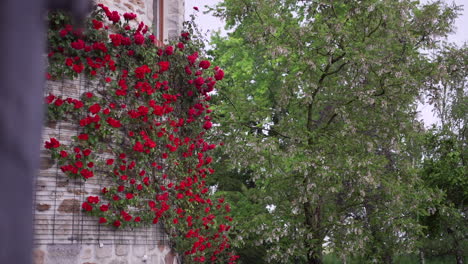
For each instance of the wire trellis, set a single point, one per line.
(58, 217)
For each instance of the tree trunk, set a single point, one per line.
(313, 219)
(388, 259)
(422, 259)
(459, 257)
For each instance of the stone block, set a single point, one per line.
(62, 254)
(139, 250)
(38, 256)
(104, 252)
(46, 163)
(42, 207)
(129, 6)
(69, 206)
(121, 250)
(139, 3)
(118, 261)
(87, 253)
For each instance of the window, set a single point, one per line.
(158, 19)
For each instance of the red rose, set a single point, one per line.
(79, 44)
(113, 122)
(192, 58)
(95, 108)
(110, 162)
(207, 125)
(97, 24)
(116, 39)
(104, 208)
(180, 45)
(69, 62)
(86, 173)
(139, 39)
(169, 50)
(54, 143)
(58, 102)
(63, 33)
(78, 104)
(93, 199)
(117, 223)
(129, 16)
(63, 154)
(219, 75)
(102, 220)
(87, 207)
(163, 66)
(86, 152)
(78, 68)
(204, 64)
(114, 16)
(50, 98)
(83, 136)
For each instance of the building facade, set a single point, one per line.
(63, 233)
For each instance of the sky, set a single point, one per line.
(208, 23)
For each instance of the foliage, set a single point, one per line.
(143, 129)
(319, 107)
(445, 162)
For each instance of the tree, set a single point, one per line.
(445, 165)
(320, 105)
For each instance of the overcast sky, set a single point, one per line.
(209, 23)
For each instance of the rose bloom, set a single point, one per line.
(117, 223)
(169, 50)
(104, 207)
(204, 64)
(139, 39)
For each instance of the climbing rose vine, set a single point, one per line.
(142, 129)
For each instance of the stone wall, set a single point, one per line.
(107, 254)
(63, 233)
(174, 11)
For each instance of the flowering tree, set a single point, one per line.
(321, 118)
(143, 129)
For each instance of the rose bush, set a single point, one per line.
(143, 128)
